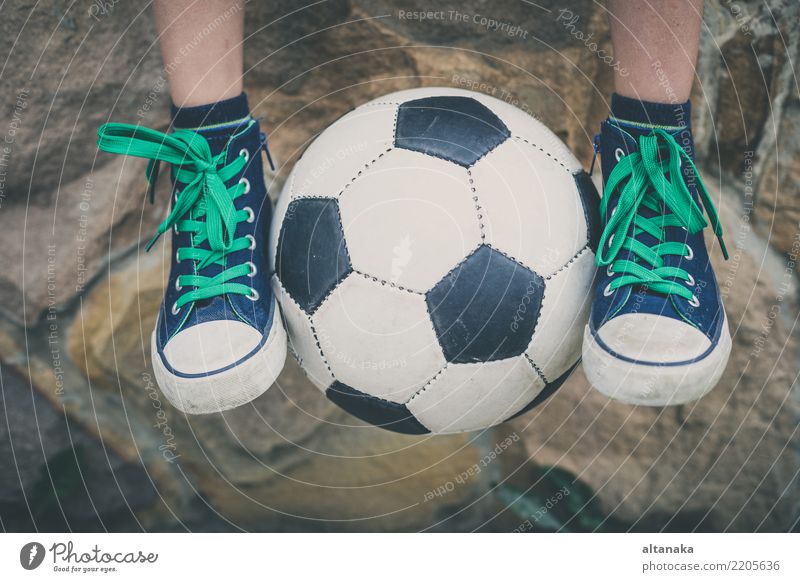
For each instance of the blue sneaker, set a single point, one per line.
(657, 334)
(219, 341)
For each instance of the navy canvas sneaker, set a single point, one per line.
(219, 341)
(657, 334)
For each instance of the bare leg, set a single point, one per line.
(201, 44)
(655, 42)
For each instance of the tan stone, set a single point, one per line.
(778, 197)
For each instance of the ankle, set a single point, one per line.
(670, 115)
(220, 115)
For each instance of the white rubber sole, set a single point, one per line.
(645, 385)
(230, 388)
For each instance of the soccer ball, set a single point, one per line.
(433, 252)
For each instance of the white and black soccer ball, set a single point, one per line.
(433, 253)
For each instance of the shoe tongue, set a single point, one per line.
(620, 138)
(629, 121)
(641, 117)
(624, 134)
(682, 135)
(215, 121)
(219, 137)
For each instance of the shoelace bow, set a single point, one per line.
(204, 207)
(651, 178)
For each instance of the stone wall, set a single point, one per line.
(79, 296)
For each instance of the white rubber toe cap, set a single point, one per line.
(652, 360)
(207, 347)
(202, 380)
(655, 339)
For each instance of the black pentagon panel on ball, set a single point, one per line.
(458, 129)
(311, 255)
(389, 415)
(486, 308)
(590, 200)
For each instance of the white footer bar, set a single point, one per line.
(407, 557)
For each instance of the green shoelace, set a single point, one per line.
(651, 178)
(204, 207)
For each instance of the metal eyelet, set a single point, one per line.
(690, 255)
(175, 228)
(694, 301)
(251, 216)
(607, 291)
(175, 308)
(253, 268)
(618, 153)
(246, 183)
(177, 257)
(252, 240)
(178, 286)
(245, 153)
(253, 295)
(690, 280)
(609, 272)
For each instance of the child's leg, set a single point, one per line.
(219, 341)
(657, 333)
(201, 44)
(656, 45)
